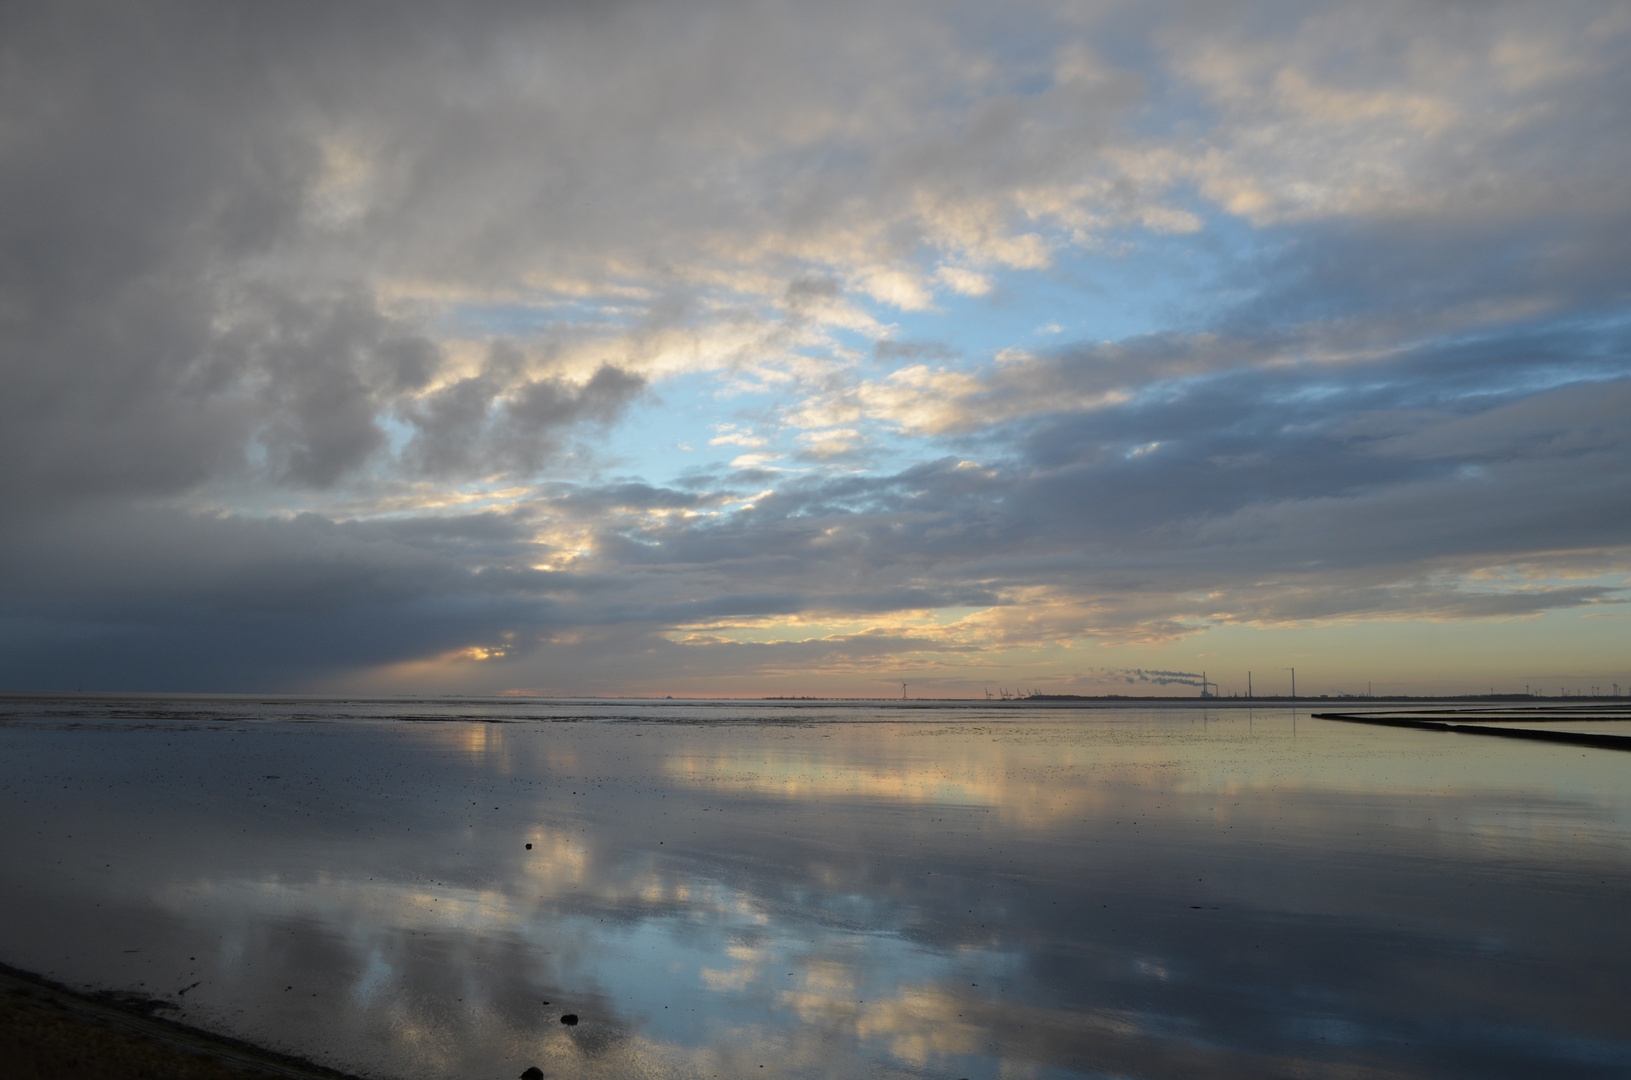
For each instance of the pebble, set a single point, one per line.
(569, 1019)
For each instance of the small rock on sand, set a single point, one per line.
(569, 1019)
(533, 1073)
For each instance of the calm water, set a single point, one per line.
(766, 890)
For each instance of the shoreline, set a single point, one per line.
(1338, 699)
(51, 1032)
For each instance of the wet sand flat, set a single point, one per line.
(50, 1033)
(781, 889)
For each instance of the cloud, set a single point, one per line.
(373, 316)
(495, 423)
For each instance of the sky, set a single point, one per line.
(741, 348)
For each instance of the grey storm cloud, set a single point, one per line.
(328, 334)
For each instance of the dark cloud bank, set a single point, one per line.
(1399, 401)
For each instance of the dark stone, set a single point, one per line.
(529, 847)
(533, 1073)
(569, 1019)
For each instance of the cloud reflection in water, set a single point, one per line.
(942, 892)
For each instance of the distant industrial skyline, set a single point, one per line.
(758, 349)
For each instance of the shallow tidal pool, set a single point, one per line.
(422, 889)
